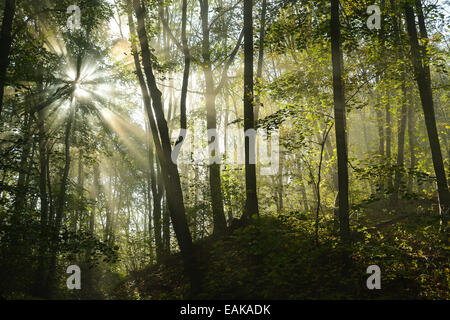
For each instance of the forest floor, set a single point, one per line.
(277, 258)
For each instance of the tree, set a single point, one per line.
(5, 43)
(169, 169)
(211, 92)
(422, 74)
(156, 192)
(251, 204)
(340, 122)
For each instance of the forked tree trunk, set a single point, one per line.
(211, 123)
(156, 194)
(40, 289)
(423, 78)
(251, 203)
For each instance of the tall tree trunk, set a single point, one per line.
(303, 191)
(49, 190)
(21, 186)
(156, 194)
(80, 185)
(5, 43)
(93, 195)
(423, 78)
(251, 203)
(40, 289)
(412, 142)
(404, 108)
(211, 124)
(259, 70)
(60, 204)
(401, 143)
(340, 122)
(379, 115)
(169, 169)
(187, 63)
(166, 225)
(211, 121)
(280, 180)
(388, 139)
(150, 223)
(380, 132)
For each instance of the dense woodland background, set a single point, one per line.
(90, 116)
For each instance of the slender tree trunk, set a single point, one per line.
(150, 217)
(388, 139)
(60, 204)
(156, 194)
(379, 114)
(340, 122)
(65, 173)
(93, 195)
(259, 70)
(21, 187)
(380, 132)
(412, 142)
(80, 190)
(251, 203)
(166, 225)
(50, 192)
(187, 63)
(319, 177)
(423, 78)
(5, 43)
(40, 289)
(211, 124)
(303, 191)
(404, 107)
(401, 143)
(169, 169)
(280, 180)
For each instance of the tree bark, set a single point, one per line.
(340, 122)
(404, 109)
(259, 70)
(60, 204)
(412, 143)
(156, 194)
(5, 43)
(388, 140)
(400, 144)
(187, 62)
(423, 78)
(169, 169)
(40, 289)
(21, 186)
(211, 124)
(251, 203)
